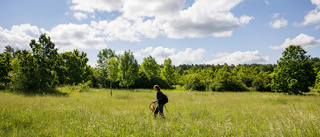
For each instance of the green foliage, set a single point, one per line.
(245, 74)
(23, 72)
(128, 69)
(262, 82)
(317, 83)
(294, 73)
(193, 82)
(146, 83)
(81, 87)
(103, 56)
(101, 73)
(76, 68)
(150, 67)
(225, 81)
(5, 67)
(167, 72)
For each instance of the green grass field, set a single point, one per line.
(126, 113)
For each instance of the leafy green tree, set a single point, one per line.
(225, 81)
(245, 73)
(262, 82)
(168, 71)
(150, 67)
(128, 69)
(24, 72)
(34, 70)
(294, 73)
(112, 67)
(5, 67)
(193, 81)
(103, 57)
(77, 70)
(317, 83)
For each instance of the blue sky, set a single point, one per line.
(187, 31)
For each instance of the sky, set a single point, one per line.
(186, 31)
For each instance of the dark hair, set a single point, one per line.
(157, 87)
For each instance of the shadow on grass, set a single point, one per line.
(40, 92)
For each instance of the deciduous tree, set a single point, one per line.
(128, 69)
(294, 73)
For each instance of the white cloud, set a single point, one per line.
(159, 53)
(187, 57)
(80, 15)
(151, 8)
(276, 15)
(303, 40)
(313, 17)
(96, 5)
(148, 18)
(126, 30)
(182, 57)
(267, 2)
(239, 57)
(203, 18)
(277, 24)
(19, 36)
(72, 36)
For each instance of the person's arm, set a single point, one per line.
(159, 97)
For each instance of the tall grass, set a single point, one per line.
(126, 113)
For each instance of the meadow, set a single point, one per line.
(126, 113)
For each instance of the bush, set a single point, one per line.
(317, 84)
(193, 82)
(225, 81)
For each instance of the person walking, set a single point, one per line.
(162, 99)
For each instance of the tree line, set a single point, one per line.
(43, 68)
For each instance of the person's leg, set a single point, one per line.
(156, 111)
(161, 110)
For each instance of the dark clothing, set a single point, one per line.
(160, 104)
(160, 97)
(159, 108)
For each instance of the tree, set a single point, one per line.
(103, 57)
(225, 81)
(150, 67)
(112, 67)
(317, 84)
(5, 67)
(294, 73)
(24, 74)
(168, 71)
(128, 69)
(77, 70)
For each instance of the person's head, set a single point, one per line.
(156, 87)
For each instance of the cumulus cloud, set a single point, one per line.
(149, 18)
(71, 36)
(239, 57)
(303, 40)
(126, 30)
(187, 57)
(19, 36)
(203, 18)
(96, 5)
(277, 24)
(313, 17)
(80, 15)
(182, 57)
(151, 8)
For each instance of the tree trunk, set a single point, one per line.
(111, 88)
